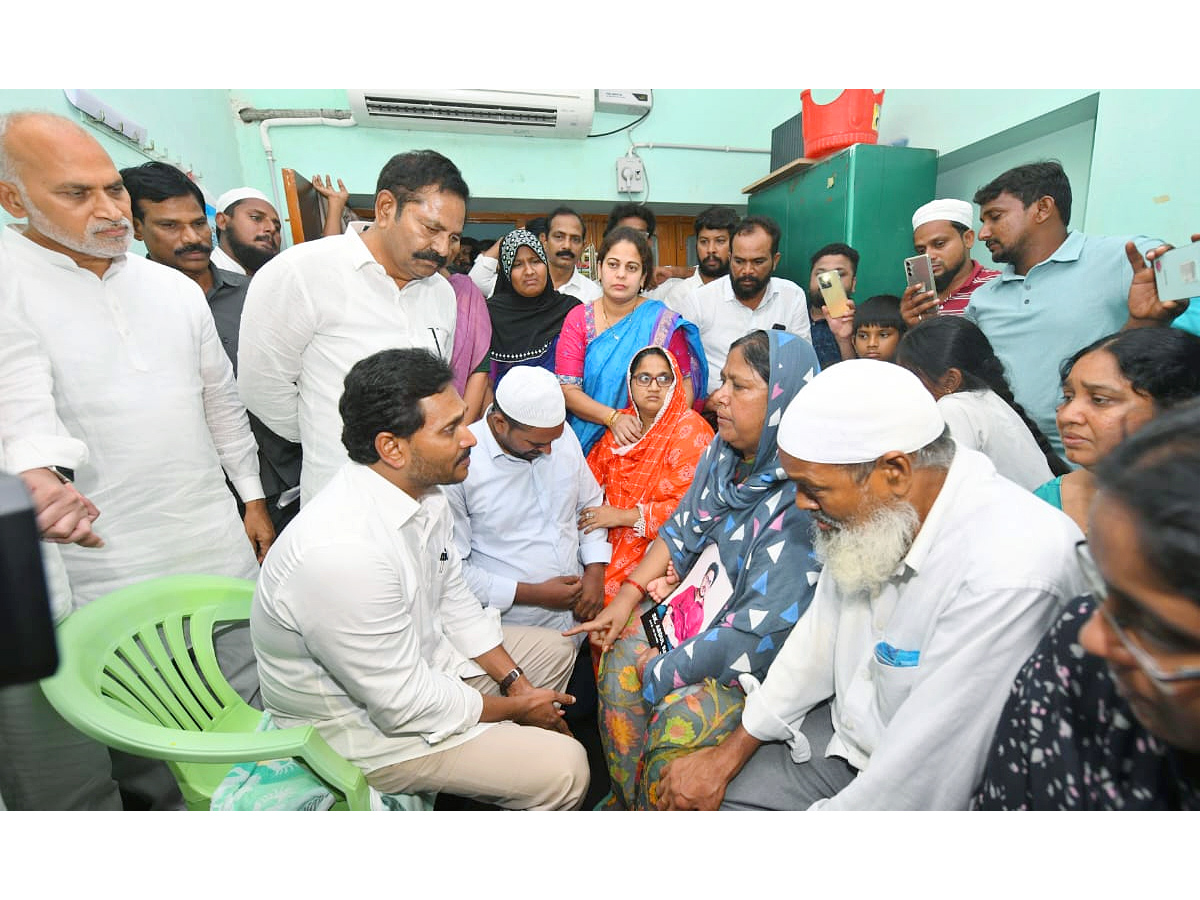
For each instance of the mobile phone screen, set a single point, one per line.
(918, 270)
(834, 293)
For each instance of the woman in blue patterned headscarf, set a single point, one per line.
(657, 706)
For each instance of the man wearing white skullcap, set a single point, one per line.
(942, 229)
(365, 629)
(248, 231)
(517, 516)
(939, 578)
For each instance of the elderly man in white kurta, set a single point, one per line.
(318, 308)
(940, 576)
(139, 375)
(45, 764)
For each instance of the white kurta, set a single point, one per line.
(919, 674)
(223, 260)
(722, 318)
(139, 375)
(31, 434)
(982, 421)
(676, 288)
(516, 520)
(311, 313)
(364, 627)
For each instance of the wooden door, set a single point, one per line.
(304, 213)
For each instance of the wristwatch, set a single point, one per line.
(509, 680)
(65, 475)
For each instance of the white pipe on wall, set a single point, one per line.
(264, 132)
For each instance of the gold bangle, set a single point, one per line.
(612, 418)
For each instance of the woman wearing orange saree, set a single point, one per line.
(644, 481)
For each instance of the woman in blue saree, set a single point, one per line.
(599, 339)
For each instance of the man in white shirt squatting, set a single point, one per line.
(939, 578)
(317, 309)
(364, 627)
(517, 515)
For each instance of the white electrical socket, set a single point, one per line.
(631, 176)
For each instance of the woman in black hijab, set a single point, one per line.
(527, 312)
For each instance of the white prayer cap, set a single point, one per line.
(233, 195)
(857, 411)
(532, 396)
(945, 211)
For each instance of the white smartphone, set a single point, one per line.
(919, 270)
(1177, 273)
(834, 293)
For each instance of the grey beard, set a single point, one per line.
(863, 557)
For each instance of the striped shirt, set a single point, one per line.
(956, 303)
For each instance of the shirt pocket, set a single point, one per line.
(895, 672)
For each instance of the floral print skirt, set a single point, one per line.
(639, 739)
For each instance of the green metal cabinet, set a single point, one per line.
(864, 196)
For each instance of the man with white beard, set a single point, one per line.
(939, 578)
(140, 378)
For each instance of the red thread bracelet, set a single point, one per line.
(636, 585)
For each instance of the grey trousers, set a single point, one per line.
(771, 780)
(46, 764)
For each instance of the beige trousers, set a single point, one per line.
(509, 765)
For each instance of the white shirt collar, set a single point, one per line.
(769, 294)
(966, 465)
(16, 240)
(395, 507)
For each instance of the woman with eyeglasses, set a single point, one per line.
(644, 481)
(600, 338)
(1110, 389)
(1106, 713)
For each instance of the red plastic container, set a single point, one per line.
(852, 118)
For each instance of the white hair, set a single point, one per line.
(864, 555)
(6, 166)
(8, 170)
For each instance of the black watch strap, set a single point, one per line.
(509, 680)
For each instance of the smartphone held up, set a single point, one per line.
(833, 292)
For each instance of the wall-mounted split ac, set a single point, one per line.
(555, 114)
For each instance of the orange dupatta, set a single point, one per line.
(653, 473)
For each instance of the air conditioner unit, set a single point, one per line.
(556, 114)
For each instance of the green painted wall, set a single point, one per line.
(544, 169)
(1144, 176)
(195, 127)
(1141, 178)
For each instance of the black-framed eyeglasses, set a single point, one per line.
(1164, 676)
(644, 379)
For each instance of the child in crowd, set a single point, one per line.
(878, 327)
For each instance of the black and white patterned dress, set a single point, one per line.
(1067, 740)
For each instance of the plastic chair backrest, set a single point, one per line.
(139, 673)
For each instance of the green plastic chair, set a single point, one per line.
(138, 672)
